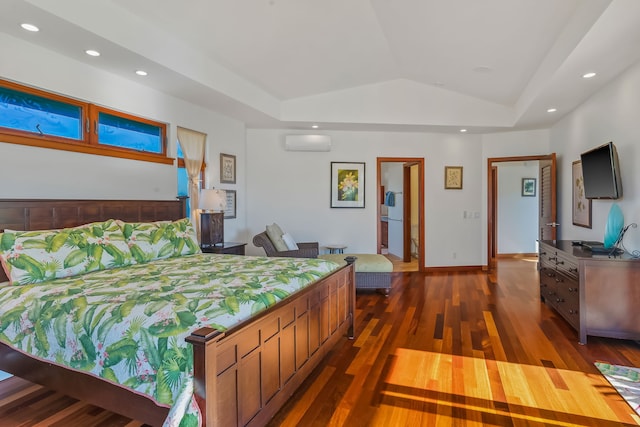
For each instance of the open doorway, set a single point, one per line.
(400, 213)
(543, 224)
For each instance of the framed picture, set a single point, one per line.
(347, 185)
(528, 187)
(230, 212)
(227, 168)
(581, 211)
(453, 177)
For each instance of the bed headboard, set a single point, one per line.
(45, 214)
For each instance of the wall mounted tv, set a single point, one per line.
(601, 173)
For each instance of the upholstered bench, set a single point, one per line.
(373, 271)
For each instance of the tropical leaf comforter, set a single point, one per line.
(127, 325)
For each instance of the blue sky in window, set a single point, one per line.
(121, 132)
(39, 115)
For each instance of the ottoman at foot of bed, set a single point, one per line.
(373, 271)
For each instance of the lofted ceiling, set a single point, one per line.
(415, 65)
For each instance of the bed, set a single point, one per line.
(239, 373)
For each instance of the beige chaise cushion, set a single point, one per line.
(366, 263)
(275, 234)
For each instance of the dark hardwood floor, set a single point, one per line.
(399, 266)
(471, 348)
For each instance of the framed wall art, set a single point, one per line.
(581, 210)
(528, 187)
(453, 177)
(227, 168)
(230, 211)
(347, 185)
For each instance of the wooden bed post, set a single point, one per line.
(183, 205)
(352, 296)
(204, 341)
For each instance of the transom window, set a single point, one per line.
(28, 112)
(119, 131)
(38, 118)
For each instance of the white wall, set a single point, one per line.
(517, 215)
(610, 115)
(29, 172)
(293, 188)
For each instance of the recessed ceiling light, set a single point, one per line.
(141, 73)
(588, 75)
(463, 130)
(92, 52)
(315, 126)
(552, 110)
(30, 27)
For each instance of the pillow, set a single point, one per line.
(149, 241)
(291, 244)
(275, 235)
(38, 256)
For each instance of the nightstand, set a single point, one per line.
(230, 248)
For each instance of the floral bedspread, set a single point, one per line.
(128, 325)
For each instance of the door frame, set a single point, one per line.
(492, 199)
(419, 161)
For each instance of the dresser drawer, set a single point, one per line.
(567, 264)
(547, 256)
(566, 299)
(548, 286)
(567, 305)
(569, 313)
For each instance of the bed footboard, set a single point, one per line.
(244, 376)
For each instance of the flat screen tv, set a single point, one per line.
(601, 173)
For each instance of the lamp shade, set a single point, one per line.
(213, 200)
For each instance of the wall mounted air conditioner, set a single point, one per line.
(307, 143)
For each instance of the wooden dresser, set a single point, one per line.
(596, 295)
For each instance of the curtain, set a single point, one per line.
(192, 144)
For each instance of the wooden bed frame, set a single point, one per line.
(244, 375)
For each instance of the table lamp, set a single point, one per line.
(212, 205)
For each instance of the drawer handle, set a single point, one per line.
(550, 293)
(542, 253)
(551, 274)
(560, 262)
(559, 299)
(559, 280)
(553, 258)
(573, 270)
(572, 289)
(573, 311)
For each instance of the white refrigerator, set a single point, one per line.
(395, 215)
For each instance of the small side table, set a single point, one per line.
(229, 248)
(336, 249)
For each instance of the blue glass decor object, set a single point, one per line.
(615, 224)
